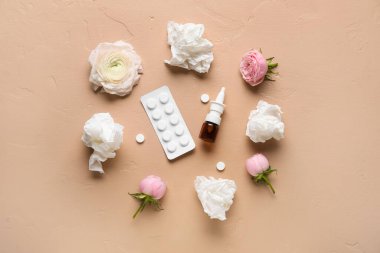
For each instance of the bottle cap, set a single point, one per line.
(216, 108)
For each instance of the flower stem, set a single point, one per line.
(141, 208)
(268, 183)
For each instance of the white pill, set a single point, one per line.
(167, 136)
(164, 97)
(205, 98)
(156, 115)
(172, 147)
(140, 138)
(174, 119)
(220, 166)
(169, 109)
(184, 141)
(161, 125)
(179, 130)
(151, 103)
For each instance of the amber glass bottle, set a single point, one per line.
(208, 131)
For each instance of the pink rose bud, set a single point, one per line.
(258, 167)
(153, 186)
(257, 164)
(254, 68)
(152, 190)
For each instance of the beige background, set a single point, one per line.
(328, 177)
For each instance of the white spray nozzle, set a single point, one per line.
(220, 97)
(216, 108)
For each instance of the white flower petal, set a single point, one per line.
(265, 123)
(115, 68)
(104, 136)
(216, 195)
(189, 49)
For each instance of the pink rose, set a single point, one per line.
(152, 190)
(258, 167)
(254, 68)
(256, 164)
(153, 186)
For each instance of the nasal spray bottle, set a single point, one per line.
(210, 127)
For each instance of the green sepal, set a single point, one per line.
(145, 200)
(138, 195)
(263, 178)
(271, 66)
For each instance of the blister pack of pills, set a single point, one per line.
(168, 123)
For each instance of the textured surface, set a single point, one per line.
(328, 191)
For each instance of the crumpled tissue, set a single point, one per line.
(265, 123)
(104, 136)
(189, 49)
(216, 195)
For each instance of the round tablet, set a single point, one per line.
(179, 130)
(156, 114)
(174, 119)
(172, 147)
(151, 103)
(184, 141)
(164, 97)
(220, 166)
(140, 138)
(169, 108)
(205, 98)
(166, 136)
(161, 125)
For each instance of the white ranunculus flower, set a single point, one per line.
(265, 123)
(216, 195)
(103, 135)
(116, 68)
(189, 49)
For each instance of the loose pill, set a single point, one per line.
(205, 98)
(220, 166)
(140, 138)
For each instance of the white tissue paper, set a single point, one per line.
(189, 49)
(104, 136)
(265, 123)
(216, 195)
